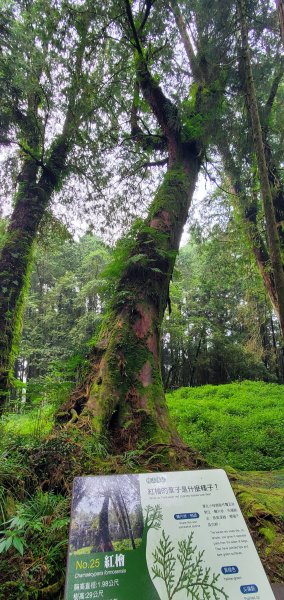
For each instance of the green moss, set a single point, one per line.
(268, 532)
(117, 395)
(14, 317)
(238, 424)
(174, 186)
(201, 109)
(251, 507)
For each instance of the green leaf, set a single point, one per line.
(18, 544)
(18, 522)
(137, 258)
(8, 543)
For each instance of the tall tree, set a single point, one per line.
(49, 72)
(103, 540)
(124, 391)
(237, 153)
(266, 192)
(219, 329)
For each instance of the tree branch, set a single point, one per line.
(181, 25)
(164, 110)
(156, 163)
(274, 88)
(149, 4)
(133, 28)
(146, 140)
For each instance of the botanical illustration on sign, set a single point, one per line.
(182, 570)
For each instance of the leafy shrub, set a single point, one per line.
(238, 424)
(40, 529)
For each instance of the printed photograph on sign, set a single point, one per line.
(107, 515)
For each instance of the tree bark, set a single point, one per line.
(124, 393)
(269, 263)
(271, 225)
(103, 540)
(16, 256)
(37, 183)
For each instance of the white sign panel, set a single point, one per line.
(167, 536)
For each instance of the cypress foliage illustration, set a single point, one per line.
(185, 571)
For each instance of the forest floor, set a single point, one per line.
(239, 427)
(235, 427)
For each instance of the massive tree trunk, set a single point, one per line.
(103, 541)
(124, 393)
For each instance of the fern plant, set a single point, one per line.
(186, 571)
(31, 520)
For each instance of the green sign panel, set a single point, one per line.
(161, 536)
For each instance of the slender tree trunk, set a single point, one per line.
(14, 262)
(194, 365)
(31, 202)
(271, 226)
(280, 8)
(270, 265)
(129, 527)
(16, 256)
(248, 214)
(119, 516)
(103, 539)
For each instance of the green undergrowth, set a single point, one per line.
(32, 425)
(238, 424)
(36, 476)
(37, 471)
(239, 427)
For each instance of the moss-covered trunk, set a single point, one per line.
(14, 267)
(42, 173)
(272, 231)
(31, 203)
(124, 393)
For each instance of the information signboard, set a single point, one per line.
(167, 536)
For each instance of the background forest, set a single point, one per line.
(141, 260)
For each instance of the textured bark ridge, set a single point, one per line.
(124, 394)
